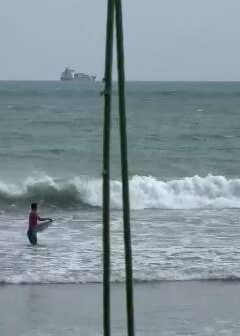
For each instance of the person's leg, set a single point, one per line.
(32, 237)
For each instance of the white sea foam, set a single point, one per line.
(166, 245)
(146, 192)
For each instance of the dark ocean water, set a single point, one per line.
(184, 141)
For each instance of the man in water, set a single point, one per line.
(33, 222)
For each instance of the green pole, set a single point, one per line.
(124, 160)
(106, 169)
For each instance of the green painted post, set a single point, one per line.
(106, 169)
(124, 160)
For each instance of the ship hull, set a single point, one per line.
(77, 80)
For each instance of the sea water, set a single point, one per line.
(183, 145)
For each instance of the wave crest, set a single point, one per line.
(146, 192)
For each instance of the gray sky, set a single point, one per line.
(165, 40)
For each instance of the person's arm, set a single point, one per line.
(43, 219)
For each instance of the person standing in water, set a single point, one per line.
(33, 222)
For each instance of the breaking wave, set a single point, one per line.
(146, 192)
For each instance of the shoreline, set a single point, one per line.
(136, 283)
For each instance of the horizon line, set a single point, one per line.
(129, 80)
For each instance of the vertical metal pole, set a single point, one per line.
(124, 160)
(106, 169)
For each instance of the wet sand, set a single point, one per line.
(167, 308)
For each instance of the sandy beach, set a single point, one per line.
(167, 308)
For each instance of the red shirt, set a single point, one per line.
(33, 218)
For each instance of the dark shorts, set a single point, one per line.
(32, 237)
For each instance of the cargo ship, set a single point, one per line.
(71, 75)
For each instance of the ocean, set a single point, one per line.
(183, 144)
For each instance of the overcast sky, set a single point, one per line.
(164, 40)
